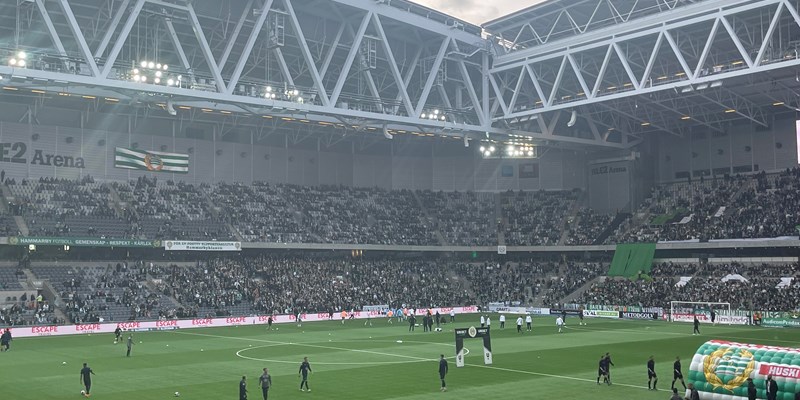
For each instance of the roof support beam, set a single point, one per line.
(309, 59)
(248, 46)
(234, 35)
(112, 27)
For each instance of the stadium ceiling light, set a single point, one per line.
(702, 86)
(716, 84)
(151, 65)
(777, 103)
(687, 89)
(685, 117)
(21, 55)
(645, 124)
(729, 111)
(739, 62)
(143, 64)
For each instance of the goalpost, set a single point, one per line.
(685, 311)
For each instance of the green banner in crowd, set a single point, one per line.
(82, 242)
(157, 161)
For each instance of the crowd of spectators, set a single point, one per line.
(509, 283)
(101, 294)
(725, 207)
(272, 284)
(759, 289)
(586, 227)
(463, 218)
(728, 207)
(535, 218)
(571, 278)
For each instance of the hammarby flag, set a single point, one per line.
(156, 161)
(720, 369)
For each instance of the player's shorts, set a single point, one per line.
(601, 371)
(651, 375)
(676, 375)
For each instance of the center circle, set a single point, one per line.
(327, 345)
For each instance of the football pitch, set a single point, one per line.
(353, 361)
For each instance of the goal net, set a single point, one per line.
(685, 311)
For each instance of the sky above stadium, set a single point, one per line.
(478, 11)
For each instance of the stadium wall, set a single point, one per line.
(392, 165)
(743, 148)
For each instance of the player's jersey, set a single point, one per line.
(528, 319)
(519, 321)
(559, 321)
(651, 366)
(677, 367)
(305, 368)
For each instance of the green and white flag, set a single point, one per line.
(151, 160)
(719, 370)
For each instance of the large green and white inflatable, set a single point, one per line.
(720, 369)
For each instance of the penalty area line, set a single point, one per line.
(571, 378)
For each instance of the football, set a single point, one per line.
(83, 393)
(177, 394)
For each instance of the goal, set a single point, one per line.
(685, 311)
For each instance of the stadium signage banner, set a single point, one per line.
(519, 310)
(702, 317)
(80, 242)
(190, 245)
(568, 312)
(720, 369)
(600, 314)
(16, 153)
(637, 315)
(781, 322)
(155, 161)
(143, 326)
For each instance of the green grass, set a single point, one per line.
(355, 362)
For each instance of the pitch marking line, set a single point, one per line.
(587, 329)
(416, 359)
(572, 378)
(277, 343)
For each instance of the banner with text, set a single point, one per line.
(600, 314)
(82, 242)
(143, 326)
(191, 245)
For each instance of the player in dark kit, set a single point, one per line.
(696, 326)
(305, 368)
(412, 320)
(266, 383)
(652, 378)
(752, 391)
(243, 388)
(86, 379)
(269, 323)
(676, 373)
(129, 344)
(5, 340)
(602, 370)
(117, 335)
(713, 317)
(443, 371)
(609, 364)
